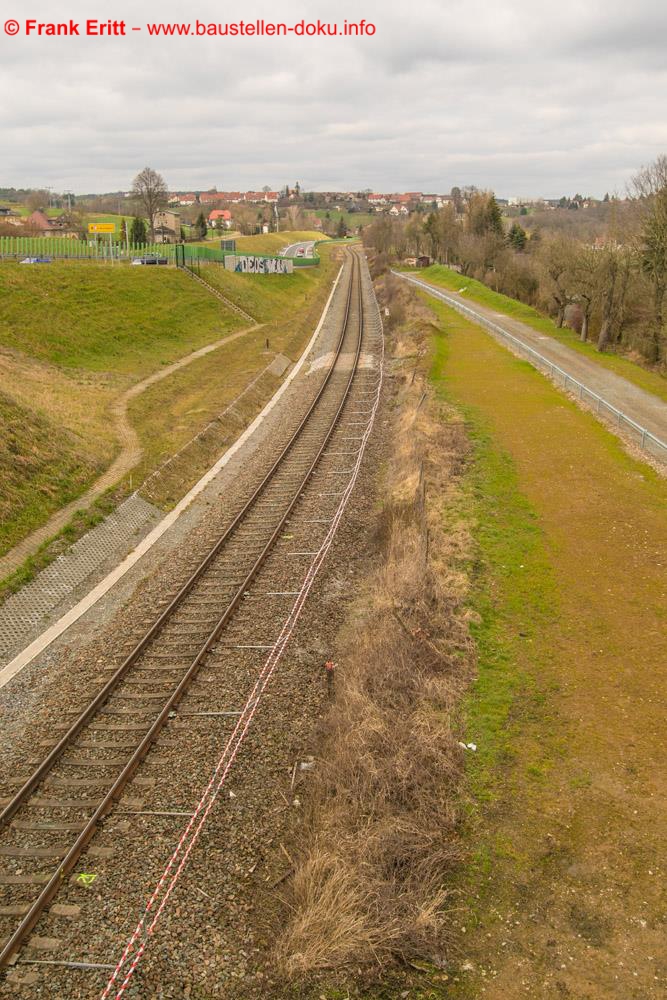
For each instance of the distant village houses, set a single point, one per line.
(403, 203)
(225, 198)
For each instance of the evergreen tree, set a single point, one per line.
(495, 219)
(341, 229)
(517, 237)
(200, 229)
(484, 214)
(138, 232)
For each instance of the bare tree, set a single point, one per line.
(295, 217)
(379, 234)
(608, 279)
(557, 256)
(584, 284)
(650, 180)
(414, 235)
(433, 234)
(653, 264)
(650, 187)
(612, 278)
(37, 201)
(150, 191)
(450, 231)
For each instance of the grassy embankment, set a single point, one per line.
(42, 466)
(563, 823)
(288, 308)
(437, 274)
(74, 337)
(274, 242)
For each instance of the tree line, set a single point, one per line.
(611, 291)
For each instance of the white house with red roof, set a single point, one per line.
(220, 218)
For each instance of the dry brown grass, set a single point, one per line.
(371, 883)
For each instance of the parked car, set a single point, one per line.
(150, 258)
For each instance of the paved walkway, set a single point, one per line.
(127, 459)
(645, 409)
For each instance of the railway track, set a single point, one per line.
(57, 809)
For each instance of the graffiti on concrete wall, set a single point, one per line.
(259, 265)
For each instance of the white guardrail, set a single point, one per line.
(643, 437)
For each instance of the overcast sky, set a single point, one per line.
(522, 96)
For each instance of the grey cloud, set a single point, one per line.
(522, 97)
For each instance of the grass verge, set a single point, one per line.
(560, 809)
(563, 822)
(513, 594)
(80, 523)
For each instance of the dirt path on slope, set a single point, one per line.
(571, 900)
(128, 457)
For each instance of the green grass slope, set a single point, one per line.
(75, 335)
(41, 469)
(124, 319)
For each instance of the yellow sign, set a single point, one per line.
(101, 227)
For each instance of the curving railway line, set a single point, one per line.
(49, 821)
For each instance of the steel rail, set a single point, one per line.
(56, 752)
(65, 867)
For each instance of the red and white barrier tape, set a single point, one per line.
(190, 835)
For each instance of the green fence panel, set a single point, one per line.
(19, 247)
